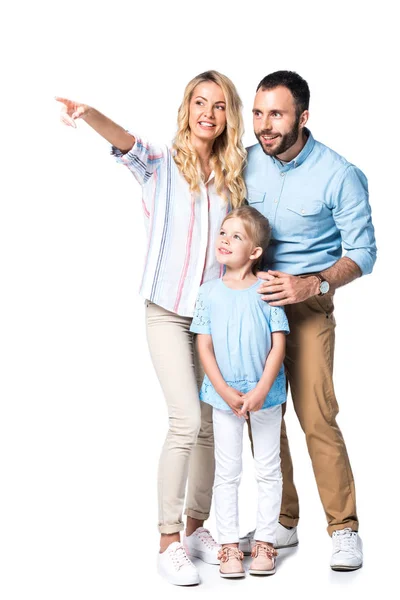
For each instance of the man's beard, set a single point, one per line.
(286, 142)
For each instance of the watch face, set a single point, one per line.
(324, 287)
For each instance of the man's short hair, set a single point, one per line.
(293, 82)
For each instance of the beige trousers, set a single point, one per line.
(309, 368)
(187, 457)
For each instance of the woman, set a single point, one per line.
(187, 191)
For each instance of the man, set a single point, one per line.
(316, 202)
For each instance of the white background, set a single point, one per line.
(82, 415)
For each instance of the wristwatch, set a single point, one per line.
(323, 285)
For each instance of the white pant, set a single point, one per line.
(228, 440)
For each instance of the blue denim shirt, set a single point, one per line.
(315, 204)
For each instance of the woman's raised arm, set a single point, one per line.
(113, 133)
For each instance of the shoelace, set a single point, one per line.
(265, 549)
(179, 557)
(344, 539)
(229, 552)
(206, 537)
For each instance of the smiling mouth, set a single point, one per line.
(205, 124)
(224, 251)
(269, 138)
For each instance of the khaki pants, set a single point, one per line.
(309, 368)
(187, 457)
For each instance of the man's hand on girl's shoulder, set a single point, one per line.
(281, 288)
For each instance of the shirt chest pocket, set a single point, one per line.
(305, 217)
(255, 197)
(259, 201)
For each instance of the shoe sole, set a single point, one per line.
(343, 568)
(232, 575)
(176, 581)
(171, 579)
(287, 546)
(254, 572)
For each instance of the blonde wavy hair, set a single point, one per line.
(228, 155)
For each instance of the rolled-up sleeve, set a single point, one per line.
(352, 215)
(142, 160)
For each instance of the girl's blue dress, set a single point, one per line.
(240, 324)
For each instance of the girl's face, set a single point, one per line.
(234, 248)
(207, 112)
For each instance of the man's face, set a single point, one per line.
(276, 124)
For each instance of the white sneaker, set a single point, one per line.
(347, 554)
(202, 545)
(174, 565)
(246, 543)
(285, 538)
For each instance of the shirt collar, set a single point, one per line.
(300, 158)
(212, 175)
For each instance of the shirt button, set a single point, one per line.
(303, 211)
(282, 174)
(275, 201)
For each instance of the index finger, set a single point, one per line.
(63, 100)
(266, 275)
(270, 287)
(243, 410)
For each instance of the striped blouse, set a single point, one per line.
(181, 228)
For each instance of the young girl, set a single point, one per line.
(242, 346)
(186, 192)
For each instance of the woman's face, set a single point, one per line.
(207, 112)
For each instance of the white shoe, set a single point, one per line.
(174, 565)
(202, 545)
(347, 554)
(285, 538)
(246, 543)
